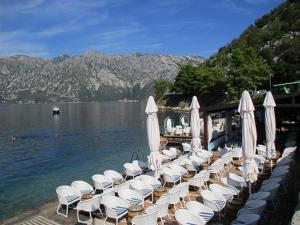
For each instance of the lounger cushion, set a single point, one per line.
(175, 177)
(85, 191)
(134, 201)
(106, 184)
(206, 216)
(219, 203)
(120, 210)
(146, 191)
(156, 186)
(72, 198)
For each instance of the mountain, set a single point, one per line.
(276, 38)
(91, 76)
(268, 51)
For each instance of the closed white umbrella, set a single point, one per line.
(154, 159)
(270, 125)
(195, 125)
(249, 138)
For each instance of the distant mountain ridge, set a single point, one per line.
(91, 76)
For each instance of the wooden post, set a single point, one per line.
(205, 119)
(228, 125)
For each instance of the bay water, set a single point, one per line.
(40, 151)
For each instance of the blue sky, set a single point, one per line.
(48, 28)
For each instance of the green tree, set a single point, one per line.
(247, 71)
(161, 87)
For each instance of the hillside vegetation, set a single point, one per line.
(269, 47)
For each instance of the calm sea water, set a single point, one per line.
(86, 139)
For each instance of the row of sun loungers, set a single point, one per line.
(214, 195)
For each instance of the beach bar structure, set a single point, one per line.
(290, 102)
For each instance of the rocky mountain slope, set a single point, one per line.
(88, 77)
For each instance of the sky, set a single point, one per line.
(49, 28)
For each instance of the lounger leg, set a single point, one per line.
(67, 211)
(105, 220)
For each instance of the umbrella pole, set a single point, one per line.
(249, 186)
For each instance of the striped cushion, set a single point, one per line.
(219, 203)
(146, 191)
(120, 210)
(175, 177)
(206, 216)
(134, 201)
(156, 186)
(106, 184)
(85, 191)
(72, 198)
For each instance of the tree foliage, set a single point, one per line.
(161, 87)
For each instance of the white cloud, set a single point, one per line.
(71, 25)
(13, 43)
(9, 6)
(232, 6)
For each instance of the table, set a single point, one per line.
(186, 177)
(86, 196)
(158, 192)
(134, 210)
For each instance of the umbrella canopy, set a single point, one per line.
(195, 125)
(154, 159)
(270, 124)
(249, 137)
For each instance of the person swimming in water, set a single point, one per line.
(13, 139)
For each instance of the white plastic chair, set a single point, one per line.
(114, 175)
(191, 165)
(213, 200)
(199, 181)
(262, 151)
(261, 195)
(236, 181)
(115, 207)
(178, 130)
(143, 165)
(171, 155)
(273, 190)
(246, 219)
(174, 196)
(148, 218)
(171, 176)
(179, 169)
(145, 189)
(132, 170)
(101, 182)
(201, 210)
(225, 191)
(186, 217)
(216, 168)
(186, 147)
(67, 195)
(155, 183)
(132, 197)
(106, 193)
(89, 205)
(82, 187)
(184, 187)
(254, 206)
(163, 206)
